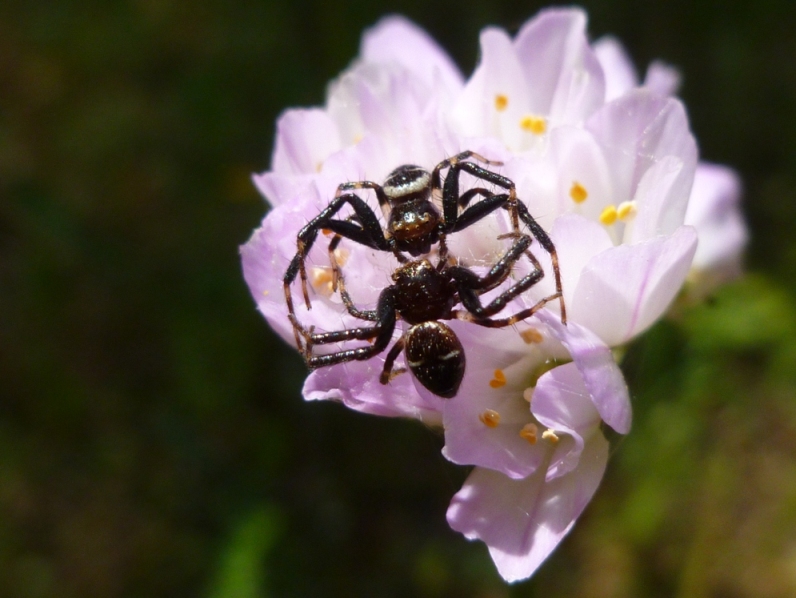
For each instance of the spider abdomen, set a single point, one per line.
(435, 356)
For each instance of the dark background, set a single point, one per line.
(153, 441)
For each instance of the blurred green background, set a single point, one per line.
(153, 441)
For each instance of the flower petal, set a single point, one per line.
(623, 290)
(397, 39)
(356, 384)
(522, 521)
(595, 362)
(468, 439)
(620, 74)
(562, 402)
(715, 212)
(564, 77)
(304, 139)
(638, 130)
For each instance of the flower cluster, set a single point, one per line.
(605, 165)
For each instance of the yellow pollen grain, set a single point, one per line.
(533, 124)
(527, 394)
(490, 418)
(499, 379)
(608, 215)
(266, 293)
(531, 336)
(551, 436)
(501, 102)
(626, 210)
(529, 433)
(578, 192)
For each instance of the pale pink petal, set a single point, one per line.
(356, 384)
(662, 78)
(656, 194)
(396, 39)
(595, 362)
(623, 290)
(561, 401)
(714, 210)
(498, 75)
(390, 106)
(620, 74)
(565, 79)
(522, 521)
(580, 161)
(468, 441)
(638, 130)
(577, 241)
(304, 139)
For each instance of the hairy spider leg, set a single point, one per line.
(338, 284)
(435, 178)
(452, 201)
(547, 244)
(367, 231)
(384, 202)
(470, 286)
(382, 332)
(519, 210)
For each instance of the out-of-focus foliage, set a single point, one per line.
(152, 437)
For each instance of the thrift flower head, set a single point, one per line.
(605, 166)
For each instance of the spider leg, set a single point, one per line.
(479, 210)
(470, 286)
(382, 333)
(384, 203)
(435, 178)
(547, 244)
(366, 231)
(387, 373)
(452, 201)
(338, 283)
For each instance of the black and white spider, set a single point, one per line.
(422, 293)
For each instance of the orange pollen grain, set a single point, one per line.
(578, 192)
(529, 433)
(531, 336)
(326, 231)
(490, 418)
(501, 102)
(499, 379)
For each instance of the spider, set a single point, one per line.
(422, 294)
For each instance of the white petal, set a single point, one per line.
(623, 290)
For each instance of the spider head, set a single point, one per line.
(414, 221)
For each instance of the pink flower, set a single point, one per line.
(714, 204)
(607, 168)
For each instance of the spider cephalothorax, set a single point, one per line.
(422, 293)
